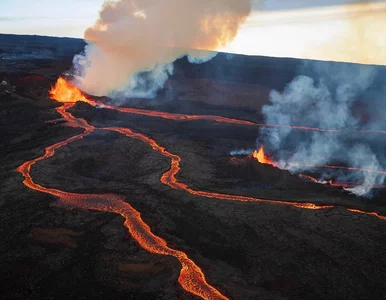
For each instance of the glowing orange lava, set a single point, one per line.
(262, 157)
(335, 167)
(367, 213)
(344, 185)
(65, 92)
(219, 119)
(169, 179)
(191, 277)
(309, 178)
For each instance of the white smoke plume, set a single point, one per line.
(333, 96)
(133, 44)
(241, 152)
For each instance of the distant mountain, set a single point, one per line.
(270, 72)
(17, 47)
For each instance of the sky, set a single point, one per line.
(333, 30)
(282, 28)
(46, 17)
(71, 17)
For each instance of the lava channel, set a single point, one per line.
(169, 177)
(65, 92)
(191, 278)
(344, 185)
(263, 158)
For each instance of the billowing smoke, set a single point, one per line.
(133, 44)
(333, 96)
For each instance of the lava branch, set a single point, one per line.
(169, 179)
(64, 92)
(263, 158)
(336, 167)
(219, 119)
(191, 278)
(344, 185)
(69, 94)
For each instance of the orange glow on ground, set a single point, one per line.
(219, 119)
(367, 213)
(344, 185)
(336, 167)
(64, 92)
(191, 277)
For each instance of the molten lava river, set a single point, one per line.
(191, 277)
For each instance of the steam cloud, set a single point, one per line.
(133, 43)
(332, 96)
(241, 152)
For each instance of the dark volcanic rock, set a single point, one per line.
(246, 250)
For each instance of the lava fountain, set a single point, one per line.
(65, 92)
(261, 157)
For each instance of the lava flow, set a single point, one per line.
(169, 177)
(263, 158)
(344, 185)
(191, 277)
(65, 92)
(219, 119)
(336, 167)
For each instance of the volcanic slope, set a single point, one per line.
(245, 250)
(114, 206)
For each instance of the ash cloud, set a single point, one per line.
(330, 96)
(132, 46)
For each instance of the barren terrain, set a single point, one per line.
(265, 249)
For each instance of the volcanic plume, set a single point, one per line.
(340, 97)
(133, 43)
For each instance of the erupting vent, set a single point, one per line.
(65, 92)
(262, 157)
